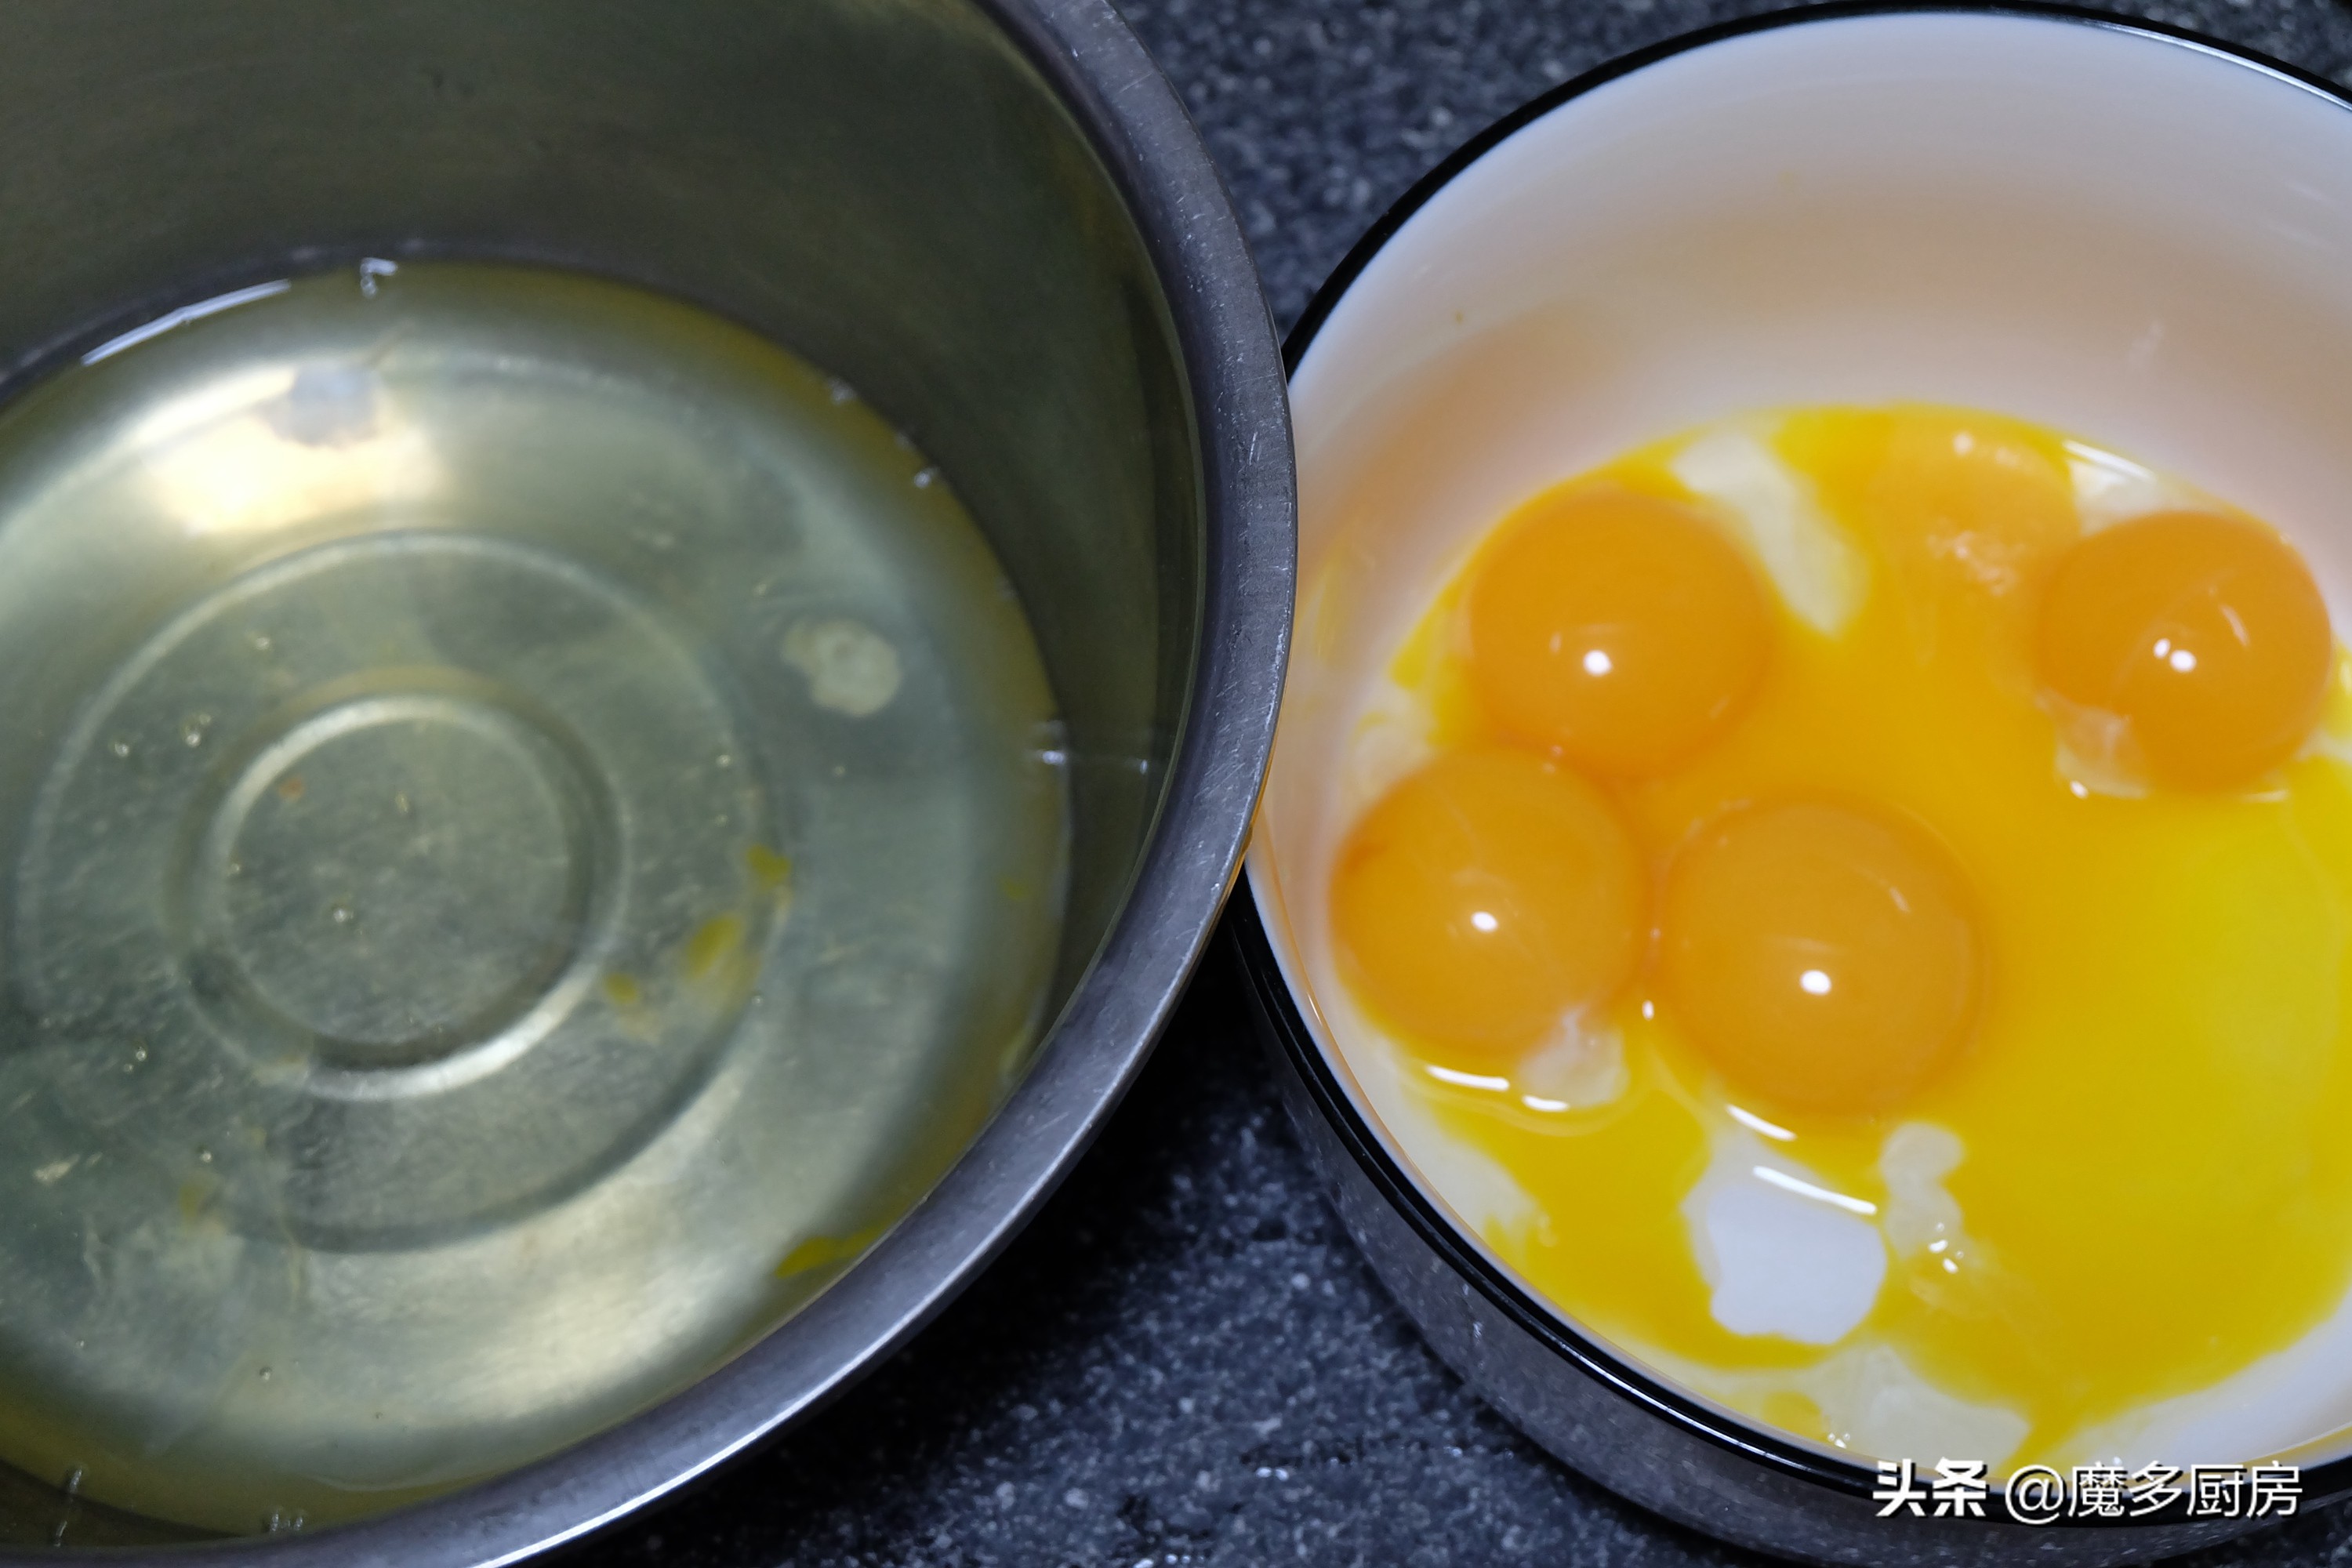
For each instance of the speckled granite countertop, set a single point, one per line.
(1183, 1360)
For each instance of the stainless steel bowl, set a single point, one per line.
(990, 217)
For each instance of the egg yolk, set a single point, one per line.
(2205, 633)
(1823, 957)
(1618, 629)
(1485, 897)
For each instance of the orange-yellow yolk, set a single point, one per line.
(1618, 629)
(1485, 897)
(1823, 957)
(2205, 633)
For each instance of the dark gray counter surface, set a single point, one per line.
(1183, 1361)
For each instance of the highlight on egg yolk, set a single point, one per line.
(1618, 629)
(1823, 957)
(1485, 897)
(2206, 633)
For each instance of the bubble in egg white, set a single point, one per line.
(2092, 754)
(850, 670)
(1581, 1067)
(1870, 1396)
(1781, 1251)
(2109, 489)
(1918, 1212)
(1821, 576)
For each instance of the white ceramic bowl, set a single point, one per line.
(2135, 236)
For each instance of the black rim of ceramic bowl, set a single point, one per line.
(1264, 973)
(1138, 129)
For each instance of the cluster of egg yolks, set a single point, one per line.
(1487, 897)
(1823, 955)
(2206, 633)
(1616, 629)
(2149, 1070)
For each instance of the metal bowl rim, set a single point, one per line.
(1236, 395)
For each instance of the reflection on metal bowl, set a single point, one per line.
(573, 871)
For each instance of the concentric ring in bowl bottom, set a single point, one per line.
(416, 792)
(536, 830)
